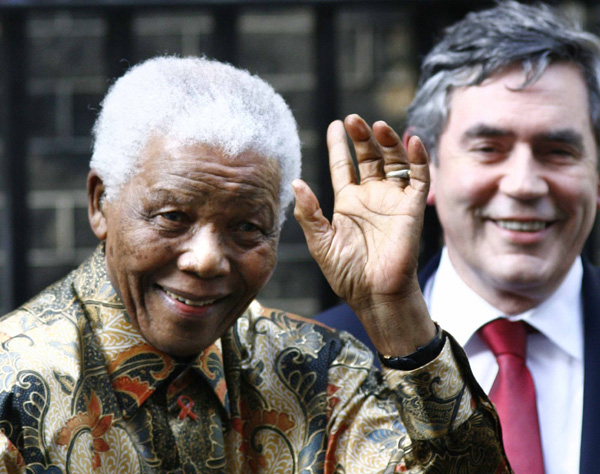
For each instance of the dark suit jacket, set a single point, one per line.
(342, 317)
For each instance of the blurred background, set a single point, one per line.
(328, 58)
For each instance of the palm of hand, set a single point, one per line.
(371, 222)
(370, 249)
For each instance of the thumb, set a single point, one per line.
(308, 213)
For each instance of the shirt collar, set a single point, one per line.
(135, 368)
(559, 317)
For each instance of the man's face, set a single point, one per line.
(516, 186)
(190, 241)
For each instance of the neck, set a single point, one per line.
(510, 296)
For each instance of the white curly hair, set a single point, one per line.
(195, 101)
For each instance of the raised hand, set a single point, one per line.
(368, 253)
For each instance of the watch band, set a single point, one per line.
(422, 356)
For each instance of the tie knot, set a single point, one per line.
(505, 337)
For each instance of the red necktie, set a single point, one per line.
(513, 393)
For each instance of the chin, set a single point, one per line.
(521, 280)
(181, 351)
(179, 348)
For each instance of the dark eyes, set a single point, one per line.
(541, 152)
(171, 221)
(486, 149)
(247, 227)
(559, 155)
(561, 152)
(178, 221)
(173, 216)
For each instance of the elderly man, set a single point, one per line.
(154, 356)
(509, 109)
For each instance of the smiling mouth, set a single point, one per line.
(195, 303)
(522, 226)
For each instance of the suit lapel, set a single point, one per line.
(590, 435)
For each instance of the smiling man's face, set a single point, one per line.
(516, 185)
(190, 241)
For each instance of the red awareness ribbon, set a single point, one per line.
(186, 404)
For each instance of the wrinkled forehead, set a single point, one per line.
(200, 169)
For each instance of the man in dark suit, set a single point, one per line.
(508, 106)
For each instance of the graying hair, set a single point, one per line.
(490, 41)
(194, 101)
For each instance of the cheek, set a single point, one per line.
(258, 266)
(456, 191)
(574, 194)
(474, 187)
(134, 252)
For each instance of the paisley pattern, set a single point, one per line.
(82, 392)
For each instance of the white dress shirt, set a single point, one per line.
(554, 355)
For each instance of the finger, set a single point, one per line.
(340, 160)
(419, 164)
(368, 151)
(307, 211)
(394, 154)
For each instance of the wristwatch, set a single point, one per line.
(419, 358)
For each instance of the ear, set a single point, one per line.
(95, 191)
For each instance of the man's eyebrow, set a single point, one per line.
(482, 130)
(566, 136)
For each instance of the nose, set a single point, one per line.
(523, 175)
(204, 254)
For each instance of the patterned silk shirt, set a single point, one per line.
(81, 392)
